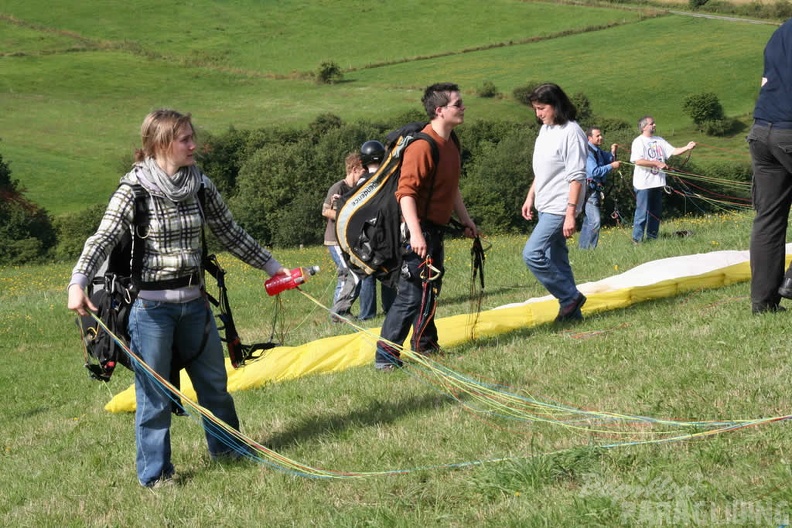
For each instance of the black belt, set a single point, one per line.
(785, 125)
(193, 278)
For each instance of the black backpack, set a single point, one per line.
(368, 223)
(112, 292)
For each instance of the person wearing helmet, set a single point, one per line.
(372, 153)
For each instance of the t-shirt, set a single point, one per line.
(340, 188)
(653, 148)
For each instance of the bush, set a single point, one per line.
(284, 174)
(488, 90)
(497, 179)
(521, 93)
(221, 157)
(718, 127)
(583, 106)
(25, 228)
(329, 73)
(73, 229)
(702, 108)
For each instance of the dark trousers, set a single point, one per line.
(406, 308)
(771, 155)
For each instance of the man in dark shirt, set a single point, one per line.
(770, 141)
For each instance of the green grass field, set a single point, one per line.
(78, 78)
(696, 356)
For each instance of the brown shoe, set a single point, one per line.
(571, 312)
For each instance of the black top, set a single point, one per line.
(774, 104)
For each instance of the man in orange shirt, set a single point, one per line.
(427, 195)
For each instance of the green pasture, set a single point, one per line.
(79, 77)
(699, 355)
(284, 38)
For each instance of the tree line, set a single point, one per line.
(276, 178)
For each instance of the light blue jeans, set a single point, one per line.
(154, 328)
(589, 231)
(547, 256)
(648, 209)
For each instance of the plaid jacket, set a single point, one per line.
(173, 240)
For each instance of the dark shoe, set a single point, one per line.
(390, 367)
(786, 289)
(571, 312)
(758, 309)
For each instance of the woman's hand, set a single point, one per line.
(570, 225)
(78, 301)
(527, 208)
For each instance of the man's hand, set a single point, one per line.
(418, 244)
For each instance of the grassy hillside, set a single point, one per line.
(78, 77)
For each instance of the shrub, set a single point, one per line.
(329, 73)
(487, 90)
(323, 124)
(25, 228)
(496, 182)
(221, 158)
(521, 93)
(583, 106)
(74, 228)
(703, 107)
(717, 127)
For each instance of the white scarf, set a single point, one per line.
(182, 185)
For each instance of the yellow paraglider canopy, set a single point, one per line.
(653, 280)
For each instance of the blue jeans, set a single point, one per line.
(648, 209)
(547, 256)
(404, 312)
(771, 155)
(589, 232)
(154, 328)
(368, 298)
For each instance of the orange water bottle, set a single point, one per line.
(278, 283)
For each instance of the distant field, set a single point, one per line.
(78, 79)
(278, 38)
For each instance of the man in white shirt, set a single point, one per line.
(649, 154)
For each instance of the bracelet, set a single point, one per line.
(570, 204)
